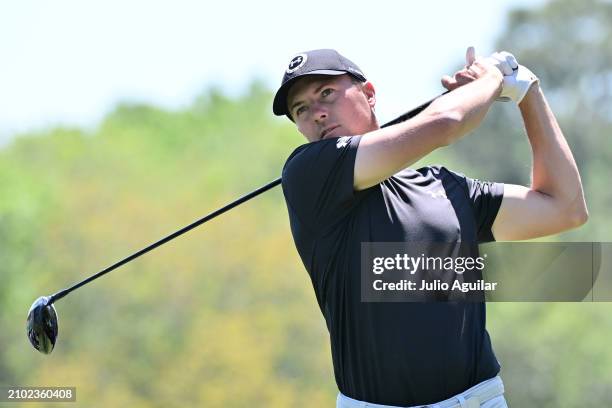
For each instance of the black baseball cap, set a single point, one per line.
(315, 62)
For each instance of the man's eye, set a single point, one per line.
(300, 110)
(326, 92)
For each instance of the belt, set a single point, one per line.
(470, 398)
(473, 397)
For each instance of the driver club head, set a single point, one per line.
(42, 325)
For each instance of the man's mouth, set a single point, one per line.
(327, 131)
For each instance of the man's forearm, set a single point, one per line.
(554, 171)
(468, 104)
(384, 152)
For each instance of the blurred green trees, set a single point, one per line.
(225, 316)
(219, 317)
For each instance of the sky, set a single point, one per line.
(70, 62)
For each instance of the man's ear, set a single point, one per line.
(370, 93)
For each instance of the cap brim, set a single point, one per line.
(279, 107)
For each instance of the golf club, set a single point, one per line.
(42, 322)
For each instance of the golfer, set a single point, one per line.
(352, 183)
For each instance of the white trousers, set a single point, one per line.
(487, 394)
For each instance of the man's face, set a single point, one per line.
(325, 106)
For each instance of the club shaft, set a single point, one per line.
(170, 237)
(272, 184)
(404, 117)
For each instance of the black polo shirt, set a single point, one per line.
(389, 353)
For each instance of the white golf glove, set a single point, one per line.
(516, 85)
(517, 78)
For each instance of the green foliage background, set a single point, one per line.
(225, 316)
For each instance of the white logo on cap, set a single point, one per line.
(296, 63)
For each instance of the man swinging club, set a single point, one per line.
(352, 183)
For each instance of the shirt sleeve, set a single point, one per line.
(486, 198)
(317, 181)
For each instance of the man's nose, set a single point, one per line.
(320, 113)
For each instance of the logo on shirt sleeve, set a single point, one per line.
(343, 142)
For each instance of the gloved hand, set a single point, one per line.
(517, 78)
